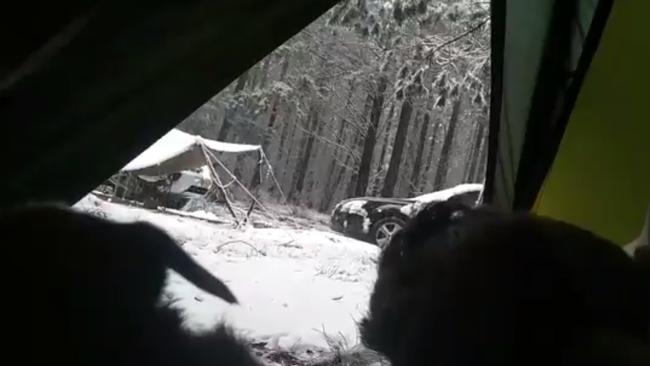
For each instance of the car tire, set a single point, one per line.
(382, 230)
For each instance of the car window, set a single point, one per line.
(467, 198)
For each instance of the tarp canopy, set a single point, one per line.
(569, 132)
(177, 151)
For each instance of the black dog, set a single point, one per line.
(85, 291)
(462, 286)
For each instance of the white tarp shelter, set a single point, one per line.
(177, 151)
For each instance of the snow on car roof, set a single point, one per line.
(445, 194)
(438, 196)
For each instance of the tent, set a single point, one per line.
(177, 151)
(568, 133)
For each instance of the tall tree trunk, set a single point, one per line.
(475, 153)
(226, 125)
(384, 144)
(417, 165)
(479, 172)
(269, 132)
(429, 161)
(469, 153)
(303, 163)
(313, 182)
(284, 164)
(398, 148)
(371, 137)
(338, 171)
(330, 187)
(354, 175)
(352, 183)
(264, 73)
(443, 163)
(275, 100)
(332, 183)
(382, 156)
(284, 143)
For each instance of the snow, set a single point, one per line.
(283, 89)
(409, 209)
(173, 143)
(176, 142)
(439, 196)
(198, 214)
(228, 146)
(445, 194)
(355, 207)
(293, 284)
(366, 225)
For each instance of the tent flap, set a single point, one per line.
(569, 99)
(600, 177)
(542, 42)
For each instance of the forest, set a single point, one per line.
(375, 98)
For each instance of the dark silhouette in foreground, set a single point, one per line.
(84, 291)
(462, 286)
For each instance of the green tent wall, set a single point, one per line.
(600, 179)
(569, 132)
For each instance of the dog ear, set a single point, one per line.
(159, 244)
(438, 223)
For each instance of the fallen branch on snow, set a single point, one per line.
(222, 245)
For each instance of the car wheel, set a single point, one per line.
(382, 230)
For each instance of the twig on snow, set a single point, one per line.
(222, 245)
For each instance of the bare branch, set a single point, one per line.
(457, 38)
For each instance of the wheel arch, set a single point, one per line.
(387, 210)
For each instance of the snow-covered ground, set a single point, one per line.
(294, 285)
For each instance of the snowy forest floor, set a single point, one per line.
(302, 288)
(270, 215)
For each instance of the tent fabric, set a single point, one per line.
(541, 44)
(521, 55)
(87, 85)
(600, 178)
(177, 151)
(570, 140)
